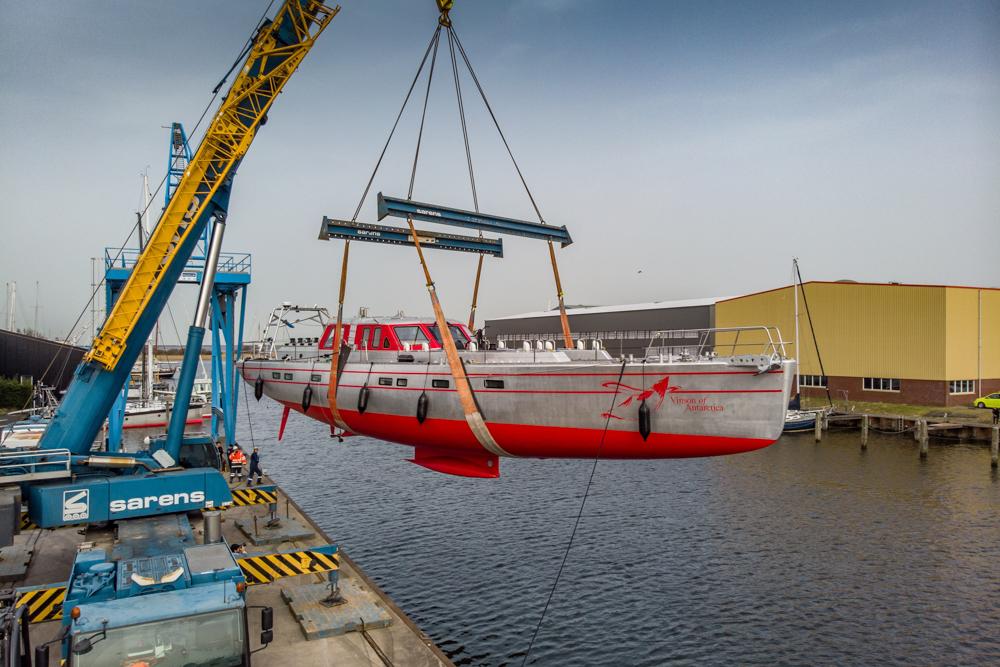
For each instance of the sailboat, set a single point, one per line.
(685, 398)
(797, 419)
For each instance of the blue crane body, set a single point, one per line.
(66, 483)
(158, 597)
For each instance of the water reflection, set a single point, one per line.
(800, 553)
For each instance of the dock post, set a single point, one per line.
(994, 446)
(864, 432)
(922, 428)
(819, 426)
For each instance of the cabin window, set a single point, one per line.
(410, 335)
(812, 380)
(400, 382)
(316, 378)
(385, 382)
(385, 341)
(276, 376)
(881, 384)
(440, 384)
(962, 386)
(376, 338)
(288, 376)
(494, 384)
(363, 337)
(461, 340)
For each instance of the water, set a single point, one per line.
(801, 553)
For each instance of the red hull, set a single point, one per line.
(535, 441)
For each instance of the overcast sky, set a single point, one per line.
(691, 148)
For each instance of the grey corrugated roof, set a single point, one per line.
(655, 305)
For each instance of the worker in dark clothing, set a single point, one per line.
(996, 415)
(255, 466)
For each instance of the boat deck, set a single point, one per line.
(402, 642)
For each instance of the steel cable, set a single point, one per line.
(576, 525)
(400, 115)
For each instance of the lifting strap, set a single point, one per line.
(475, 294)
(331, 391)
(562, 307)
(472, 415)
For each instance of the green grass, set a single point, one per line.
(957, 412)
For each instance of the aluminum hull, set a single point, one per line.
(551, 405)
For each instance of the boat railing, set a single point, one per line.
(282, 319)
(125, 258)
(765, 341)
(22, 466)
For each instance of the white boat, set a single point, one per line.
(536, 401)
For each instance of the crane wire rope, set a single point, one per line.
(423, 116)
(468, 159)
(579, 514)
(394, 125)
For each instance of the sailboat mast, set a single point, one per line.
(795, 292)
(148, 354)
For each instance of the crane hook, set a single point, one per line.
(444, 6)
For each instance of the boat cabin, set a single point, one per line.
(395, 334)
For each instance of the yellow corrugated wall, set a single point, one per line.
(963, 333)
(863, 330)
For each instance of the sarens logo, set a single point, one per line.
(166, 500)
(76, 505)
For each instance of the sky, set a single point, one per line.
(692, 149)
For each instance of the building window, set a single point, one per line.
(812, 380)
(881, 384)
(962, 386)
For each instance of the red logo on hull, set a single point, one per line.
(657, 393)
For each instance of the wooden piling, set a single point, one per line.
(922, 428)
(864, 432)
(819, 426)
(994, 446)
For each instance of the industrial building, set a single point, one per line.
(886, 343)
(623, 330)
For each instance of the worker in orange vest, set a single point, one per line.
(237, 459)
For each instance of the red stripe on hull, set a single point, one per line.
(537, 441)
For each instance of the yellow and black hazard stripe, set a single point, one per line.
(265, 568)
(28, 524)
(259, 496)
(242, 497)
(44, 604)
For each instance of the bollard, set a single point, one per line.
(864, 432)
(819, 426)
(923, 438)
(994, 446)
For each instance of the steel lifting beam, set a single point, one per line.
(357, 231)
(402, 208)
